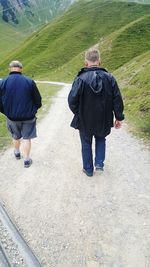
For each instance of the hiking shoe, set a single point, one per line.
(17, 155)
(90, 174)
(98, 168)
(27, 163)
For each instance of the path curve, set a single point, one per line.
(69, 219)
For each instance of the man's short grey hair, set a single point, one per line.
(92, 55)
(16, 64)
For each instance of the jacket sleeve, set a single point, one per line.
(73, 97)
(37, 99)
(118, 105)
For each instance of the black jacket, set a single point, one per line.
(19, 97)
(95, 99)
(1, 105)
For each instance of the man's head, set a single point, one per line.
(92, 57)
(15, 65)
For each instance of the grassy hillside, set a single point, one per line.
(116, 48)
(10, 38)
(134, 80)
(120, 29)
(32, 16)
(81, 27)
(131, 42)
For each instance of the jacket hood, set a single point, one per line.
(96, 83)
(93, 76)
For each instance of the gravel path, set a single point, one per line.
(69, 219)
(10, 248)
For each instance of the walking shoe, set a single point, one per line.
(98, 168)
(17, 155)
(27, 163)
(90, 174)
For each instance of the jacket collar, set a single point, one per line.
(83, 70)
(15, 72)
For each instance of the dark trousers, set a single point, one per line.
(87, 154)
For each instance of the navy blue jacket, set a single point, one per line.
(19, 97)
(94, 99)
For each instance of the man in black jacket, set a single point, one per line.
(19, 101)
(94, 99)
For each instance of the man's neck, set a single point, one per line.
(15, 69)
(93, 65)
(90, 64)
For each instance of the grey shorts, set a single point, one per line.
(22, 129)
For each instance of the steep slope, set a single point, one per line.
(131, 42)
(10, 37)
(116, 48)
(134, 79)
(20, 18)
(25, 12)
(81, 27)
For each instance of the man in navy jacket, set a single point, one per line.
(19, 101)
(95, 99)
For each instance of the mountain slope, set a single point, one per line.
(81, 27)
(131, 42)
(114, 53)
(25, 12)
(10, 37)
(134, 80)
(20, 18)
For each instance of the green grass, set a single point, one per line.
(47, 92)
(4, 135)
(13, 35)
(66, 37)
(134, 80)
(116, 49)
(133, 41)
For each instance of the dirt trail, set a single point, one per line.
(69, 219)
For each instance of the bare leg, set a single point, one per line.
(26, 148)
(17, 144)
(17, 148)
